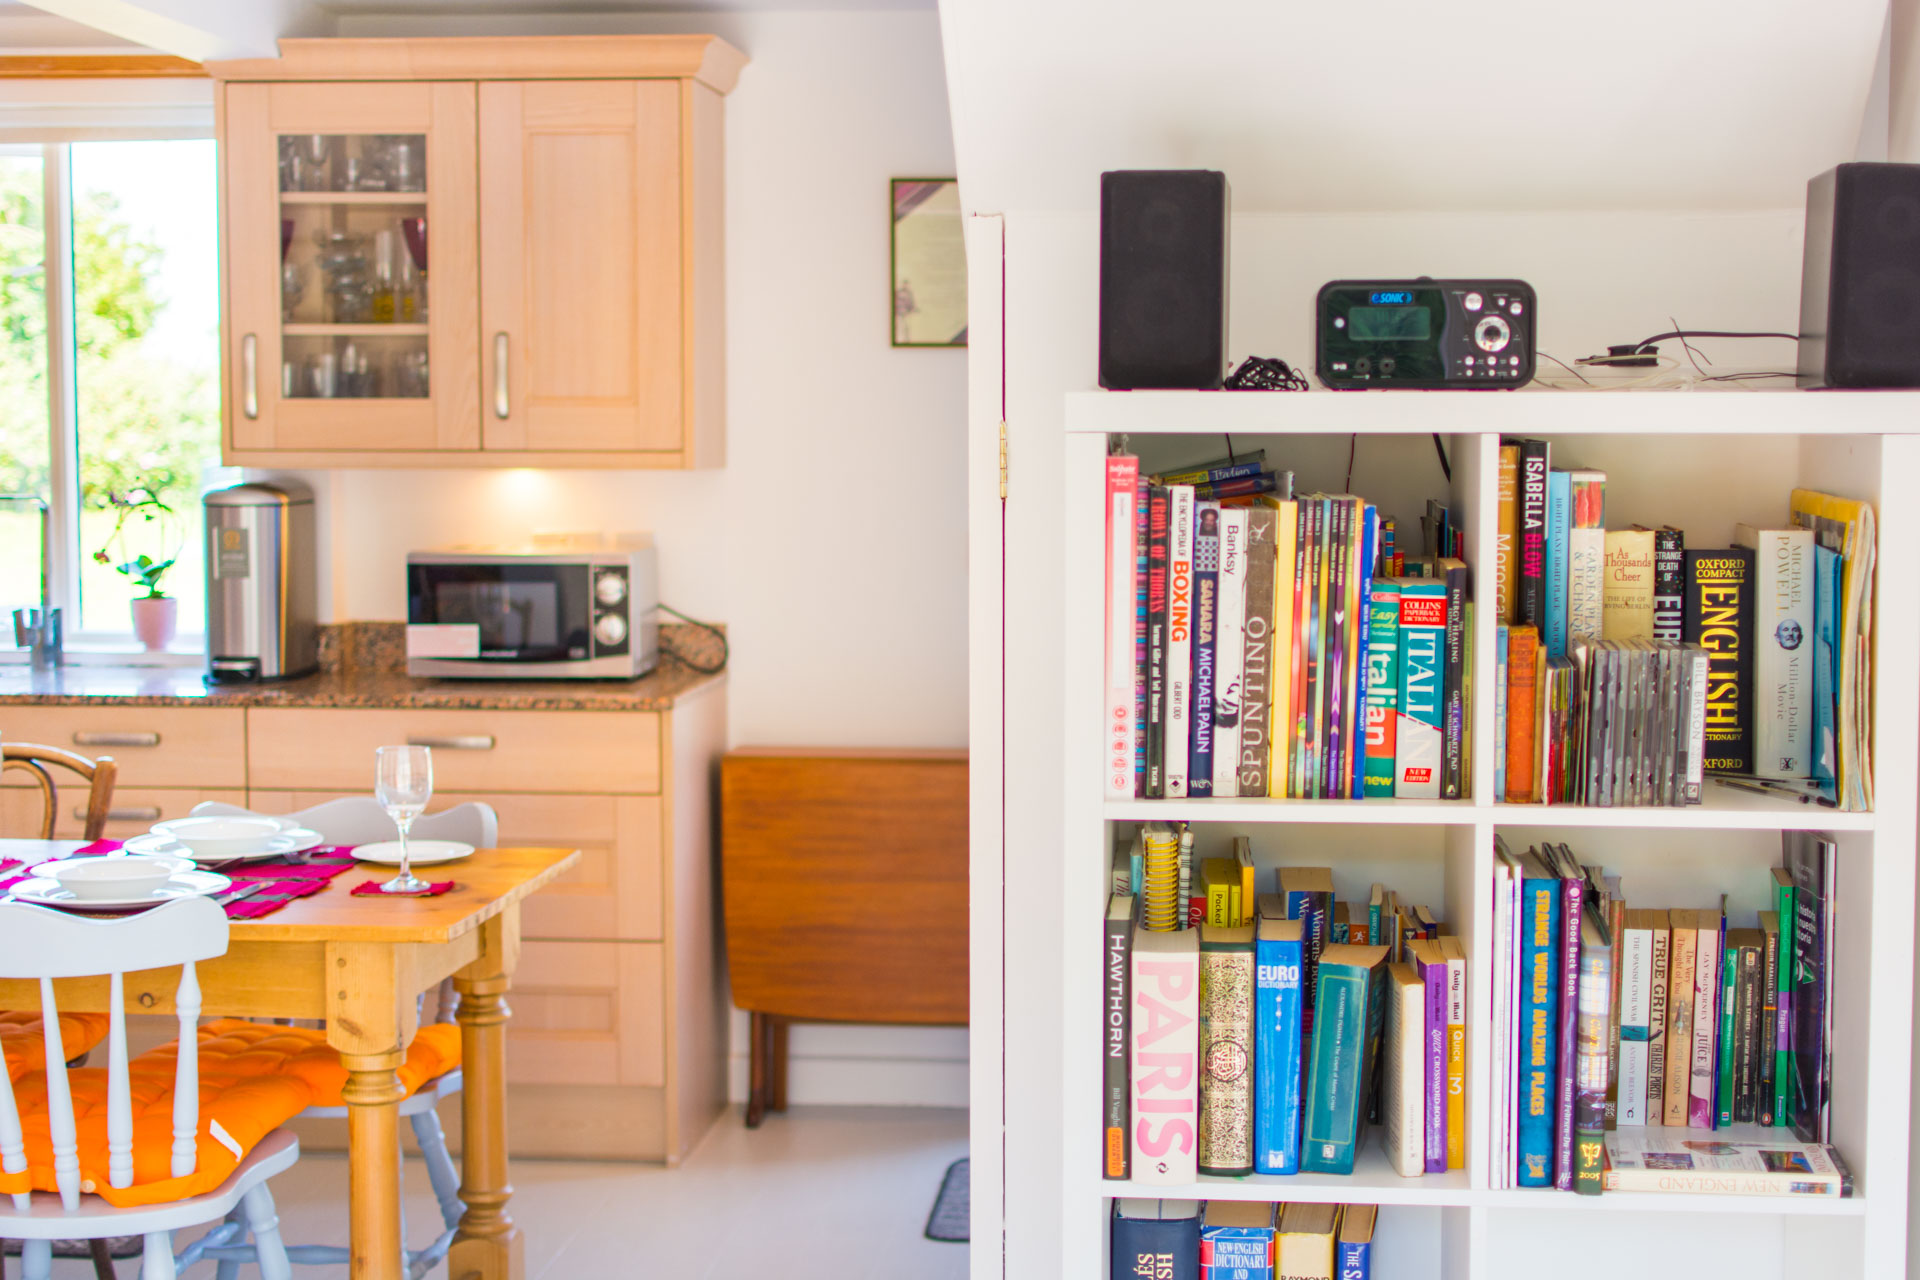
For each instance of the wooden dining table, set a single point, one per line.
(360, 963)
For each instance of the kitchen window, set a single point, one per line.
(109, 376)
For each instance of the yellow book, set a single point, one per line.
(1303, 1247)
(1286, 538)
(1221, 880)
(1248, 894)
(1456, 956)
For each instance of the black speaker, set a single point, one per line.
(1860, 279)
(1163, 279)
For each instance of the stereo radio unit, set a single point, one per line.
(1425, 334)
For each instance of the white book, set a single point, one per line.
(1499, 1028)
(1706, 1019)
(1783, 645)
(1164, 1070)
(1693, 742)
(1636, 1012)
(1514, 992)
(1179, 636)
(1123, 487)
(1404, 1115)
(1230, 651)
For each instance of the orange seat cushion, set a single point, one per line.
(303, 1052)
(25, 1049)
(238, 1092)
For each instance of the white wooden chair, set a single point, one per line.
(361, 820)
(36, 942)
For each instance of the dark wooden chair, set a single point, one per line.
(99, 775)
(844, 878)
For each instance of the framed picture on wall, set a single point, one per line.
(929, 264)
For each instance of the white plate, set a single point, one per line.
(180, 862)
(297, 840)
(422, 853)
(187, 884)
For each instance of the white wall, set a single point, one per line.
(833, 542)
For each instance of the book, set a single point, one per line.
(1117, 976)
(1572, 894)
(1719, 618)
(1307, 893)
(1540, 952)
(1658, 988)
(1505, 530)
(1158, 506)
(1303, 598)
(1303, 1248)
(1348, 1008)
(1123, 482)
(1142, 524)
(1783, 586)
(1206, 623)
(1229, 652)
(1226, 1050)
(1669, 575)
(1155, 1238)
(1751, 957)
(1530, 588)
(1523, 644)
(1430, 962)
(1248, 898)
(1453, 682)
(1256, 669)
(1280, 661)
(1502, 638)
(1220, 883)
(1180, 533)
(1590, 1073)
(1242, 466)
(1809, 859)
(1278, 1044)
(1335, 710)
(1681, 967)
(1768, 1028)
(1706, 1017)
(1236, 1240)
(1311, 713)
(1626, 590)
(1726, 1047)
(1586, 553)
(1726, 1165)
(1456, 955)
(1403, 1111)
(1636, 1013)
(1417, 731)
(1847, 526)
(1616, 917)
(1785, 983)
(1355, 1242)
(1559, 527)
(1164, 1022)
(1383, 685)
(1360, 670)
(1824, 765)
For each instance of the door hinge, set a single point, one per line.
(1003, 462)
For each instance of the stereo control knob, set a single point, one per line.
(1471, 302)
(610, 588)
(610, 629)
(1491, 334)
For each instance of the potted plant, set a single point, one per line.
(141, 517)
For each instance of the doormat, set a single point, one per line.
(952, 1215)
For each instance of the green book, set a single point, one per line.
(1725, 1048)
(1347, 1017)
(1782, 1045)
(1226, 1050)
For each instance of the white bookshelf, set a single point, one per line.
(1700, 460)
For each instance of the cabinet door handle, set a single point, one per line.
(116, 739)
(452, 742)
(502, 406)
(136, 813)
(249, 377)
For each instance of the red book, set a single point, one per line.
(1123, 487)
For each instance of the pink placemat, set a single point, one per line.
(433, 890)
(282, 881)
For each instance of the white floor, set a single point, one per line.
(821, 1193)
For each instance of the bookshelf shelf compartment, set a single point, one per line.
(1373, 1181)
(1435, 813)
(1721, 810)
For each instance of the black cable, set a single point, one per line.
(1684, 334)
(1353, 447)
(1441, 449)
(1564, 365)
(717, 632)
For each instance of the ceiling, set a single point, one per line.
(25, 31)
(534, 8)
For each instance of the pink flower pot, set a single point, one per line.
(155, 620)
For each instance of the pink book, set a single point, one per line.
(1164, 1056)
(1706, 1020)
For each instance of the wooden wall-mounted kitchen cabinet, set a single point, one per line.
(475, 252)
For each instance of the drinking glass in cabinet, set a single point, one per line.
(312, 162)
(414, 232)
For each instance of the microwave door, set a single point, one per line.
(523, 613)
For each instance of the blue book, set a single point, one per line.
(1828, 600)
(1559, 580)
(1348, 1004)
(1353, 1248)
(1278, 957)
(1500, 712)
(1236, 1240)
(1369, 553)
(1159, 1238)
(1206, 620)
(1539, 1018)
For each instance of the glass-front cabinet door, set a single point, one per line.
(351, 235)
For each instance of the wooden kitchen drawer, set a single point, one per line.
(615, 891)
(490, 752)
(154, 746)
(134, 808)
(588, 1013)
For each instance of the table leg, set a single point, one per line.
(757, 1055)
(372, 1094)
(777, 1069)
(488, 1246)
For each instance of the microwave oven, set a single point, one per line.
(532, 614)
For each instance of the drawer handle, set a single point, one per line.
(116, 739)
(249, 377)
(454, 742)
(140, 813)
(502, 402)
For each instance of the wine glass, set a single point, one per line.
(403, 783)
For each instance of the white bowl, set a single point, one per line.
(131, 877)
(220, 837)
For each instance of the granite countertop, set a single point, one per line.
(363, 665)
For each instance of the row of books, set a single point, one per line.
(1241, 1240)
(1263, 644)
(1610, 1020)
(1749, 660)
(1249, 1036)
